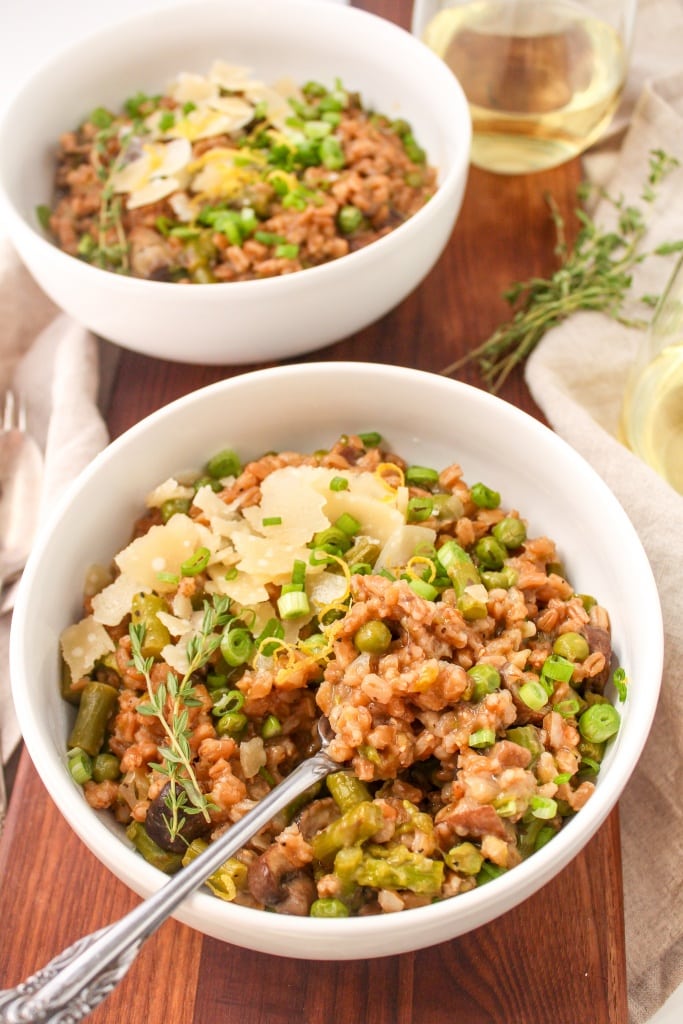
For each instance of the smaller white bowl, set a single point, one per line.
(429, 420)
(249, 321)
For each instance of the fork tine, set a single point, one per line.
(14, 412)
(8, 410)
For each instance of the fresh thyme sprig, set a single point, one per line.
(169, 703)
(595, 274)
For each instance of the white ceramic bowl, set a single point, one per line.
(533, 469)
(250, 321)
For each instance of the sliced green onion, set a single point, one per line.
(333, 540)
(293, 605)
(80, 766)
(272, 521)
(533, 695)
(423, 589)
(231, 700)
(563, 777)
(421, 476)
(620, 683)
(543, 807)
(567, 708)
(286, 251)
(196, 563)
(232, 573)
(348, 524)
(237, 645)
(168, 577)
(339, 483)
(485, 678)
(299, 572)
(268, 238)
(555, 669)
(505, 806)
(482, 738)
(419, 509)
(599, 722)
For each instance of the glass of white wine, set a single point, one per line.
(652, 411)
(542, 77)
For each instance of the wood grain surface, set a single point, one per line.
(558, 958)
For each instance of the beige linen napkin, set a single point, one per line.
(577, 376)
(54, 364)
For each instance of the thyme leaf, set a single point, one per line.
(594, 274)
(169, 702)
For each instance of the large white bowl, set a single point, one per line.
(250, 321)
(429, 419)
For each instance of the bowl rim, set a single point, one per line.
(448, 183)
(480, 905)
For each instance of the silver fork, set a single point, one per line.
(21, 476)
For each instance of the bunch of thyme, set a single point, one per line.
(169, 703)
(594, 274)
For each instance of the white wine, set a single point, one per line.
(652, 423)
(542, 78)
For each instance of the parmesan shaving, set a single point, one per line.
(83, 644)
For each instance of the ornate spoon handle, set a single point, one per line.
(76, 980)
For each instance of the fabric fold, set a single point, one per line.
(577, 376)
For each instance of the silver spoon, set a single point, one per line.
(76, 980)
(21, 477)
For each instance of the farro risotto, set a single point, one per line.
(462, 676)
(225, 178)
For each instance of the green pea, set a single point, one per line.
(373, 637)
(599, 722)
(231, 724)
(485, 679)
(572, 646)
(499, 580)
(490, 553)
(224, 463)
(349, 219)
(484, 497)
(510, 531)
(106, 767)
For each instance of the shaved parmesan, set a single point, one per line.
(83, 644)
(289, 495)
(268, 560)
(169, 490)
(113, 603)
(163, 549)
(378, 519)
(244, 588)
